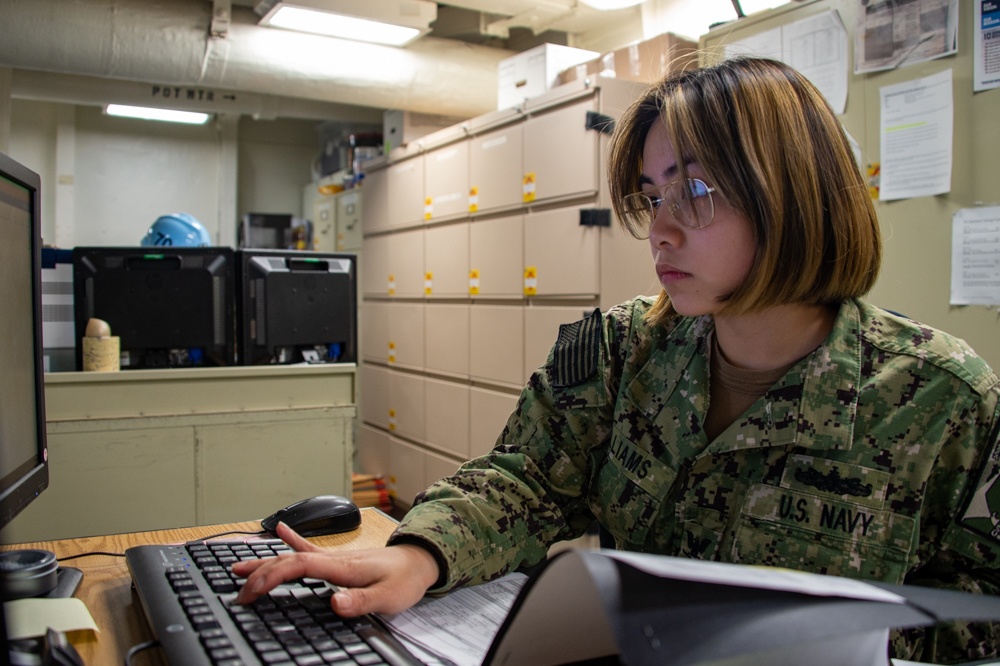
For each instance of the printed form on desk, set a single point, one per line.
(459, 627)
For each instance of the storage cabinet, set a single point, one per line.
(560, 153)
(406, 264)
(496, 345)
(349, 221)
(407, 466)
(446, 407)
(446, 339)
(446, 192)
(407, 408)
(337, 221)
(514, 238)
(405, 193)
(562, 254)
(496, 169)
(375, 271)
(375, 199)
(496, 250)
(406, 335)
(446, 261)
(488, 414)
(375, 324)
(155, 449)
(375, 395)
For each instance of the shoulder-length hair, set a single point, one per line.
(777, 153)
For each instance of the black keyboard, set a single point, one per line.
(188, 591)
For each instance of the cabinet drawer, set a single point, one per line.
(560, 153)
(496, 169)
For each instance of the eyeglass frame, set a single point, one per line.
(709, 190)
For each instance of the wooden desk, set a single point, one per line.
(107, 585)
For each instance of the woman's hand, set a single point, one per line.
(379, 580)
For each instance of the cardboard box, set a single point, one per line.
(401, 127)
(535, 71)
(582, 71)
(650, 60)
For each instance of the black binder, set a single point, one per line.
(652, 609)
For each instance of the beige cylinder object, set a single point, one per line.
(101, 354)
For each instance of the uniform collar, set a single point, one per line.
(813, 406)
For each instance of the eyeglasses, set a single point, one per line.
(688, 200)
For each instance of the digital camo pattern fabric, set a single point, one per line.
(862, 461)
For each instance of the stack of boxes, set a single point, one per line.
(646, 61)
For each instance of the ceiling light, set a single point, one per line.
(391, 23)
(150, 113)
(608, 5)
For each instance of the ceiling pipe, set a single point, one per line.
(169, 43)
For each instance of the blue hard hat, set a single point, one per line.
(178, 230)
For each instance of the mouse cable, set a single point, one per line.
(136, 649)
(94, 552)
(222, 534)
(109, 554)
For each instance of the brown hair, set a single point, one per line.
(777, 153)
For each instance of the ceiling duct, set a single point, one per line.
(170, 44)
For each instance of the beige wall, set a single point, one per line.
(916, 271)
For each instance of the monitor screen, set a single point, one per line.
(23, 454)
(169, 307)
(297, 307)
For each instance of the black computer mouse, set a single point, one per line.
(316, 516)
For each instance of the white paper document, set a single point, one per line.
(916, 135)
(975, 256)
(816, 46)
(459, 627)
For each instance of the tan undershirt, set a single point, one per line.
(732, 390)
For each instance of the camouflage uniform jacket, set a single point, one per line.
(871, 458)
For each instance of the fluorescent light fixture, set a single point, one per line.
(390, 23)
(608, 5)
(150, 113)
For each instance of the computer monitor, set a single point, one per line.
(297, 307)
(24, 471)
(170, 307)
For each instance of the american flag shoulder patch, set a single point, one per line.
(574, 357)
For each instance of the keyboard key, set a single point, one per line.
(368, 659)
(216, 643)
(223, 586)
(267, 646)
(356, 648)
(221, 654)
(207, 623)
(330, 656)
